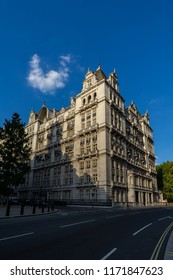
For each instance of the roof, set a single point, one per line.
(100, 74)
(42, 113)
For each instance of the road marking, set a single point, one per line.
(114, 216)
(16, 236)
(141, 229)
(160, 243)
(169, 253)
(167, 217)
(110, 253)
(79, 223)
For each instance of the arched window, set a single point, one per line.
(95, 95)
(89, 99)
(84, 102)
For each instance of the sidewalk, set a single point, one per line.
(15, 211)
(169, 248)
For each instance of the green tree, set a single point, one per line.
(14, 154)
(165, 179)
(159, 170)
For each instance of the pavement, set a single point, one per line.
(15, 211)
(28, 211)
(169, 248)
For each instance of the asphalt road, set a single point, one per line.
(92, 234)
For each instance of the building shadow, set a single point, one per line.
(58, 173)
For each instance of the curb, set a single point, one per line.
(28, 215)
(169, 248)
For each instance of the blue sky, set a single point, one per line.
(47, 46)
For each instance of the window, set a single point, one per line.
(122, 150)
(116, 120)
(83, 125)
(94, 137)
(37, 178)
(88, 164)
(46, 177)
(70, 132)
(88, 149)
(59, 169)
(94, 162)
(71, 181)
(89, 99)
(83, 121)
(88, 124)
(82, 141)
(88, 178)
(95, 178)
(58, 181)
(81, 194)
(81, 180)
(83, 118)
(110, 95)
(88, 116)
(66, 168)
(55, 171)
(59, 129)
(94, 116)
(88, 139)
(66, 181)
(71, 168)
(88, 119)
(94, 148)
(82, 165)
(88, 194)
(94, 113)
(49, 135)
(70, 155)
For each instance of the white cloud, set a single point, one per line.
(48, 82)
(80, 68)
(66, 58)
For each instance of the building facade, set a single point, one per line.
(96, 150)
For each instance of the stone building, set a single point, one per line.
(96, 150)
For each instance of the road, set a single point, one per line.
(86, 235)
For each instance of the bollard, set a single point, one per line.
(22, 209)
(8, 209)
(48, 208)
(52, 207)
(33, 209)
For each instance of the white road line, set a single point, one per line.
(110, 253)
(79, 223)
(114, 216)
(16, 236)
(167, 217)
(141, 229)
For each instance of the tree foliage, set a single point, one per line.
(14, 154)
(165, 179)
